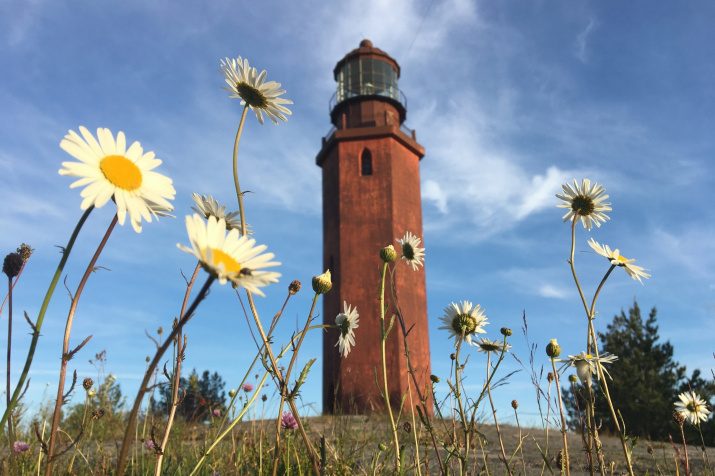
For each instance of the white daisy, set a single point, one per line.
(692, 407)
(585, 364)
(616, 259)
(346, 322)
(108, 169)
(585, 202)
(488, 345)
(464, 320)
(245, 83)
(229, 256)
(207, 206)
(411, 251)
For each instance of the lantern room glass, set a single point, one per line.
(367, 77)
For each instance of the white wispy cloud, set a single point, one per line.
(581, 44)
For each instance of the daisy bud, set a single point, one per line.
(12, 265)
(264, 397)
(25, 251)
(294, 287)
(382, 447)
(573, 378)
(452, 356)
(505, 331)
(388, 254)
(514, 404)
(322, 283)
(91, 393)
(232, 393)
(434, 378)
(87, 383)
(553, 349)
(160, 330)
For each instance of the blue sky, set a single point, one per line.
(510, 99)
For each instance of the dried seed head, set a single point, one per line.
(264, 397)
(294, 287)
(407, 427)
(87, 383)
(514, 404)
(12, 265)
(678, 418)
(649, 449)
(452, 356)
(98, 413)
(160, 330)
(505, 331)
(322, 283)
(550, 377)
(25, 251)
(388, 254)
(553, 349)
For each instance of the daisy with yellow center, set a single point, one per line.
(692, 407)
(346, 322)
(109, 170)
(616, 259)
(585, 364)
(245, 83)
(228, 256)
(464, 321)
(584, 201)
(412, 253)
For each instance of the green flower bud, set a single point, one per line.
(434, 378)
(505, 331)
(322, 283)
(388, 254)
(553, 349)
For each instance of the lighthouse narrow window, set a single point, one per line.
(366, 162)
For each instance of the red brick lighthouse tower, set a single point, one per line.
(371, 195)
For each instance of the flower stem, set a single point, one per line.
(129, 430)
(386, 390)
(9, 354)
(67, 354)
(180, 344)
(601, 374)
(41, 317)
(252, 305)
(284, 383)
(494, 414)
(239, 195)
(565, 467)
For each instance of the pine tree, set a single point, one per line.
(200, 396)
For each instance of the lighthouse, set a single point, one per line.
(371, 196)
